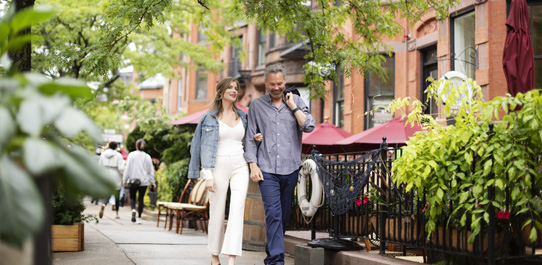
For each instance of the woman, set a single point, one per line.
(217, 148)
(138, 166)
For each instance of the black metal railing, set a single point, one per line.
(387, 214)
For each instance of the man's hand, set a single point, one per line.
(255, 172)
(290, 101)
(210, 185)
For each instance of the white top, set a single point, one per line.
(139, 166)
(230, 142)
(230, 139)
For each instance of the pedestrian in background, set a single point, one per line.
(217, 149)
(113, 162)
(97, 151)
(139, 169)
(275, 163)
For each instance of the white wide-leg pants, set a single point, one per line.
(229, 171)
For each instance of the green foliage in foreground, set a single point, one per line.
(38, 125)
(456, 165)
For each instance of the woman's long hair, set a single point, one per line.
(221, 87)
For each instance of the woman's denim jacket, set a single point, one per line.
(205, 143)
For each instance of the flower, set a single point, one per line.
(358, 202)
(503, 215)
(364, 200)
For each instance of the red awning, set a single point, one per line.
(324, 137)
(195, 117)
(518, 59)
(395, 131)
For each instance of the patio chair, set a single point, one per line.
(170, 211)
(196, 210)
(162, 204)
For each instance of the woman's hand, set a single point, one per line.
(258, 137)
(210, 185)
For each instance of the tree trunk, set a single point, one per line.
(22, 59)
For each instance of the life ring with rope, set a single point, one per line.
(309, 208)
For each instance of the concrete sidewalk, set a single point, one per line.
(119, 241)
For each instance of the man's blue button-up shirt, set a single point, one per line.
(280, 150)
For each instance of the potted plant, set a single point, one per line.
(492, 145)
(68, 230)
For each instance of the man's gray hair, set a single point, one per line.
(274, 68)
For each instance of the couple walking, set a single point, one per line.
(229, 147)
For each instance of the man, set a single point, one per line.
(139, 166)
(275, 162)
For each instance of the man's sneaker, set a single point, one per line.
(101, 214)
(133, 216)
(138, 221)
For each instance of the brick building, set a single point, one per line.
(470, 41)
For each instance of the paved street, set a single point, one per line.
(119, 241)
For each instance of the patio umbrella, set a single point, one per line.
(518, 59)
(195, 117)
(395, 131)
(323, 137)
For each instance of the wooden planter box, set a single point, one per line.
(442, 232)
(68, 237)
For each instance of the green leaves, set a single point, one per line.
(39, 156)
(37, 124)
(72, 122)
(456, 165)
(20, 203)
(7, 130)
(29, 17)
(72, 87)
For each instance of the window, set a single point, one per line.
(179, 94)
(305, 96)
(235, 62)
(272, 40)
(379, 93)
(202, 38)
(262, 42)
(535, 17)
(429, 69)
(338, 99)
(201, 83)
(463, 44)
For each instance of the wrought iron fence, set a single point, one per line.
(386, 214)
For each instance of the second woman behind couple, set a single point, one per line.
(217, 147)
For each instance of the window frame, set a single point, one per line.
(338, 101)
(202, 38)
(262, 47)
(198, 84)
(368, 97)
(427, 65)
(453, 41)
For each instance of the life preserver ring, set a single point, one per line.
(309, 208)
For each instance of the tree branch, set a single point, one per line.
(203, 4)
(140, 20)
